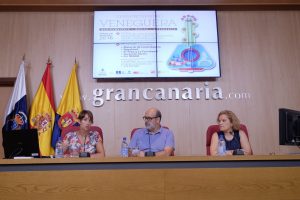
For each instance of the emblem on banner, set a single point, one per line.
(42, 122)
(18, 120)
(68, 119)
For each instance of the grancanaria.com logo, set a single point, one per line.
(101, 95)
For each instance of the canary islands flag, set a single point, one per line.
(16, 109)
(69, 107)
(42, 112)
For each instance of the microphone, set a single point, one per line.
(149, 153)
(84, 154)
(149, 141)
(84, 143)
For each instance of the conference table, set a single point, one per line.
(155, 178)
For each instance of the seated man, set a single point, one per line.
(153, 140)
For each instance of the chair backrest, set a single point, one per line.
(135, 129)
(76, 128)
(133, 132)
(215, 128)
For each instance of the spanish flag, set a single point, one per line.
(42, 112)
(69, 107)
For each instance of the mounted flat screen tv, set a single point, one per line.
(155, 44)
(289, 127)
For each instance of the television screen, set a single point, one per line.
(289, 127)
(155, 43)
(18, 143)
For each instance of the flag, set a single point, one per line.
(16, 109)
(42, 112)
(69, 106)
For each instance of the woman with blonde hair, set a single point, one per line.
(235, 139)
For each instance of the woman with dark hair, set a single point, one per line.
(235, 138)
(84, 140)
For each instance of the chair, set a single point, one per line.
(133, 132)
(76, 128)
(135, 129)
(215, 128)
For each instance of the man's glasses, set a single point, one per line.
(148, 118)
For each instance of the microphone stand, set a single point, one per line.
(149, 153)
(84, 154)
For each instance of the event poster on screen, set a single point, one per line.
(135, 44)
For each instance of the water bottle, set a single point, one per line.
(221, 146)
(124, 148)
(59, 152)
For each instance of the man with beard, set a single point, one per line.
(153, 140)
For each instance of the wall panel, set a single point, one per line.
(259, 57)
